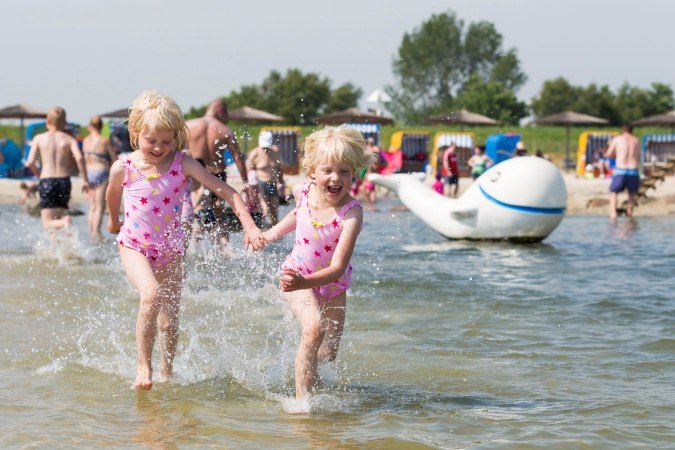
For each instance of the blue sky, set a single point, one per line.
(91, 57)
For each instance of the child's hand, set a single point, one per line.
(291, 280)
(114, 225)
(255, 239)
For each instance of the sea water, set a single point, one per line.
(565, 344)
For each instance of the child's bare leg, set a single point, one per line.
(170, 285)
(143, 278)
(333, 321)
(306, 309)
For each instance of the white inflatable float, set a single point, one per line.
(521, 199)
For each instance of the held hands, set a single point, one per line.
(254, 238)
(114, 225)
(291, 280)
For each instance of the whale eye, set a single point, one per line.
(494, 176)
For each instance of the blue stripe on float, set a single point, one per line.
(527, 209)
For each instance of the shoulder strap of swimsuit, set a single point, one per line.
(304, 199)
(177, 160)
(347, 207)
(128, 167)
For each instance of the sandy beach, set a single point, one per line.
(584, 197)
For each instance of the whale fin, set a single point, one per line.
(464, 213)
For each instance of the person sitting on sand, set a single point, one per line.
(54, 148)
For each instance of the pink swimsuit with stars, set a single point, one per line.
(152, 218)
(315, 244)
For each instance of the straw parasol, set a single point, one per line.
(352, 115)
(666, 119)
(117, 114)
(461, 117)
(247, 114)
(569, 118)
(21, 112)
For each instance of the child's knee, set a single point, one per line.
(149, 295)
(313, 331)
(166, 324)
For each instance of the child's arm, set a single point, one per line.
(113, 196)
(252, 235)
(291, 280)
(287, 224)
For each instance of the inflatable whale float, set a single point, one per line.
(521, 200)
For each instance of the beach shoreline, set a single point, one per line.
(584, 196)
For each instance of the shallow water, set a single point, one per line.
(566, 344)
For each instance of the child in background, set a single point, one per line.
(438, 184)
(252, 198)
(152, 180)
(327, 220)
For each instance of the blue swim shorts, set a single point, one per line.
(625, 179)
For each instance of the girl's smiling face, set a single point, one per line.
(333, 180)
(155, 144)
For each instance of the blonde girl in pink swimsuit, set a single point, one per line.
(327, 220)
(151, 181)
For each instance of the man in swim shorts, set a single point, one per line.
(209, 139)
(265, 160)
(54, 148)
(625, 148)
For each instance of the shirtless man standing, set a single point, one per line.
(208, 140)
(265, 160)
(626, 149)
(54, 148)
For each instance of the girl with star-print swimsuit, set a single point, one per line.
(315, 244)
(153, 207)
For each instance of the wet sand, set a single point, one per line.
(584, 197)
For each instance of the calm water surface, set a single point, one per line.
(567, 344)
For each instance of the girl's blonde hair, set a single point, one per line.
(341, 144)
(152, 110)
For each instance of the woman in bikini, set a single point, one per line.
(99, 155)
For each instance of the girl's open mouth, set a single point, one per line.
(333, 190)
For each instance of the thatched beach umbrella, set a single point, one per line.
(117, 114)
(569, 118)
(247, 114)
(666, 119)
(461, 117)
(21, 112)
(352, 115)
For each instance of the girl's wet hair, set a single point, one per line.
(153, 111)
(341, 144)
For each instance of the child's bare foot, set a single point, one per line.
(165, 375)
(143, 378)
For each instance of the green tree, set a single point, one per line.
(597, 101)
(491, 99)
(296, 96)
(439, 57)
(555, 96)
(345, 96)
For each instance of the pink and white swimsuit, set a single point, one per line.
(315, 244)
(153, 206)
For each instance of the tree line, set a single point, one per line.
(445, 65)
